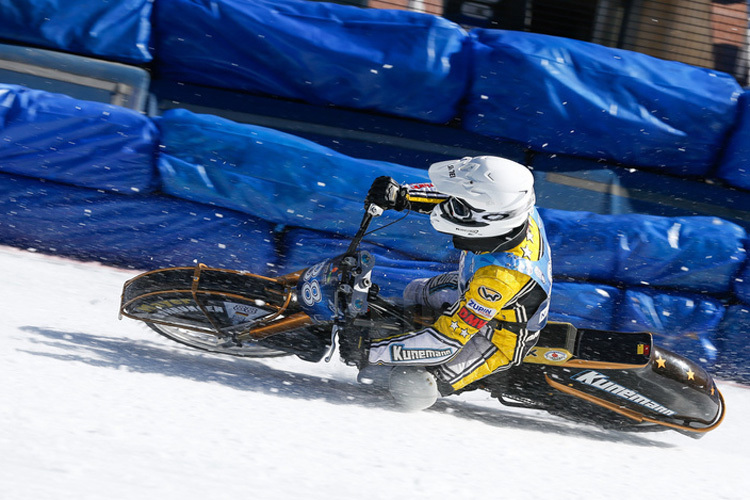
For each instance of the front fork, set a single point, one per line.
(335, 291)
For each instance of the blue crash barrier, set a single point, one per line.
(734, 167)
(149, 231)
(570, 97)
(732, 344)
(396, 62)
(84, 143)
(115, 29)
(138, 231)
(284, 179)
(242, 186)
(700, 254)
(685, 323)
(741, 285)
(548, 93)
(291, 181)
(585, 305)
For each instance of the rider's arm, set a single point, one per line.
(423, 197)
(386, 193)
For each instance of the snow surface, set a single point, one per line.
(96, 408)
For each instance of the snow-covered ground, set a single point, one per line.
(96, 408)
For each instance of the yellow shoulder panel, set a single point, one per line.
(494, 286)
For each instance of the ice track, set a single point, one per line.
(94, 408)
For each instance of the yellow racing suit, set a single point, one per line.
(502, 289)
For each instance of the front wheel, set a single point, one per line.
(211, 343)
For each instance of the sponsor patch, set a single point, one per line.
(164, 309)
(602, 382)
(480, 310)
(471, 319)
(553, 355)
(239, 313)
(489, 294)
(401, 353)
(644, 349)
(442, 282)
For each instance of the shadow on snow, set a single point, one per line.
(251, 375)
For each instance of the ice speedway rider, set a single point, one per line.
(489, 312)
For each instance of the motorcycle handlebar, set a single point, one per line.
(371, 211)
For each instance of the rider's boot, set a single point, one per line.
(375, 376)
(354, 347)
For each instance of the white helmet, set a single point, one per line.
(489, 196)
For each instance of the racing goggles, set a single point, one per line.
(459, 211)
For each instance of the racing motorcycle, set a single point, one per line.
(611, 379)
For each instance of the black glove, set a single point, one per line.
(387, 194)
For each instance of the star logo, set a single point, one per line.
(526, 252)
(661, 362)
(454, 326)
(690, 374)
(464, 332)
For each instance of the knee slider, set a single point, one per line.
(413, 387)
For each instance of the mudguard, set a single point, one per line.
(670, 391)
(596, 374)
(205, 299)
